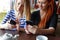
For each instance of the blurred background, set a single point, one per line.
(4, 7)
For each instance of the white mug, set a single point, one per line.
(41, 37)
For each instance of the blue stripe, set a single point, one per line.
(8, 16)
(11, 15)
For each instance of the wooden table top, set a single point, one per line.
(24, 36)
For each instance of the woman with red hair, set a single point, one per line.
(43, 21)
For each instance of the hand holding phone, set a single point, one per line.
(12, 22)
(29, 23)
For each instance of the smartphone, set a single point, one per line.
(29, 23)
(12, 22)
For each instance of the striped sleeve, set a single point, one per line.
(13, 16)
(7, 17)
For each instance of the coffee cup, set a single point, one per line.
(41, 37)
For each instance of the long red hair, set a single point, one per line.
(49, 13)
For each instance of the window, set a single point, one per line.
(4, 5)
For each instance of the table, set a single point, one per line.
(24, 36)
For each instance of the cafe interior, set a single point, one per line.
(30, 6)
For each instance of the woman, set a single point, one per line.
(14, 16)
(44, 20)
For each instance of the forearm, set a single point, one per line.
(44, 31)
(7, 17)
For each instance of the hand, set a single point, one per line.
(6, 26)
(26, 30)
(17, 21)
(17, 27)
(32, 29)
(10, 26)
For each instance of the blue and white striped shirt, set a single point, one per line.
(11, 16)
